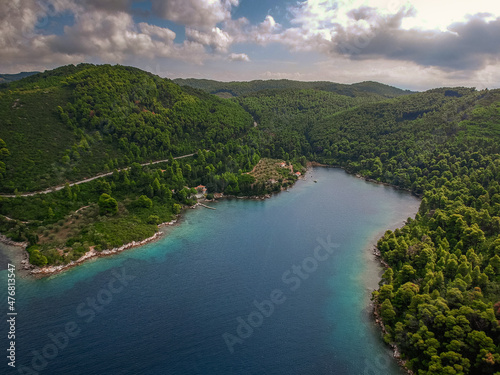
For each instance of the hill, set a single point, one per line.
(6, 78)
(232, 89)
(85, 119)
(78, 121)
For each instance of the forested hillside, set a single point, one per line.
(82, 120)
(439, 297)
(77, 121)
(230, 89)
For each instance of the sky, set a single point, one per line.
(416, 45)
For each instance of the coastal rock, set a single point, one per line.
(93, 253)
(4, 239)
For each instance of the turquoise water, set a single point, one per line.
(280, 286)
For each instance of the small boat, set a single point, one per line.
(315, 181)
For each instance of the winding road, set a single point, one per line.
(60, 187)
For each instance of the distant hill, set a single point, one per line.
(231, 89)
(6, 78)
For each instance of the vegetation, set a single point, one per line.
(125, 206)
(231, 89)
(272, 175)
(439, 297)
(85, 119)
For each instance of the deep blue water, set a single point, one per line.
(176, 306)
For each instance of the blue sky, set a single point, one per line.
(417, 44)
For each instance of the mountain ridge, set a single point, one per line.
(239, 88)
(6, 78)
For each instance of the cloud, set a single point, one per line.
(201, 14)
(97, 34)
(157, 32)
(108, 5)
(111, 36)
(21, 40)
(239, 57)
(315, 14)
(216, 39)
(242, 31)
(352, 35)
(283, 75)
(469, 45)
(336, 28)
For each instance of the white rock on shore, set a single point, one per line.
(93, 253)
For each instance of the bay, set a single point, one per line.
(296, 269)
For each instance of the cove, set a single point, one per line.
(296, 269)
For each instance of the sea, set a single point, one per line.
(275, 286)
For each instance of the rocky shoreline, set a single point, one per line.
(92, 253)
(24, 262)
(395, 350)
(396, 353)
(9, 242)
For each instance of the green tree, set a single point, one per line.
(107, 205)
(144, 201)
(387, 311)
(37, 259)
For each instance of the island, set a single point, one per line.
(94, 159)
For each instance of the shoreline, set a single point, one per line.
(360, 176)
(375, 307)
(51, 270)
(39, 272)
(373, 251)
(19, 257)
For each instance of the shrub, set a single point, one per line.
(153, 219)
(107, 205)
(144, 201)
(36, 258)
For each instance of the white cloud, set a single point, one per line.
(216, 39)
(21, 40)
(97, 34)
(320, 22)
(283, 75)
(386, 40)
(242, 31)
(239, 57)
(315, 14)
(111, 36)
(439, 15)
(161, 33)
(201, 14)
